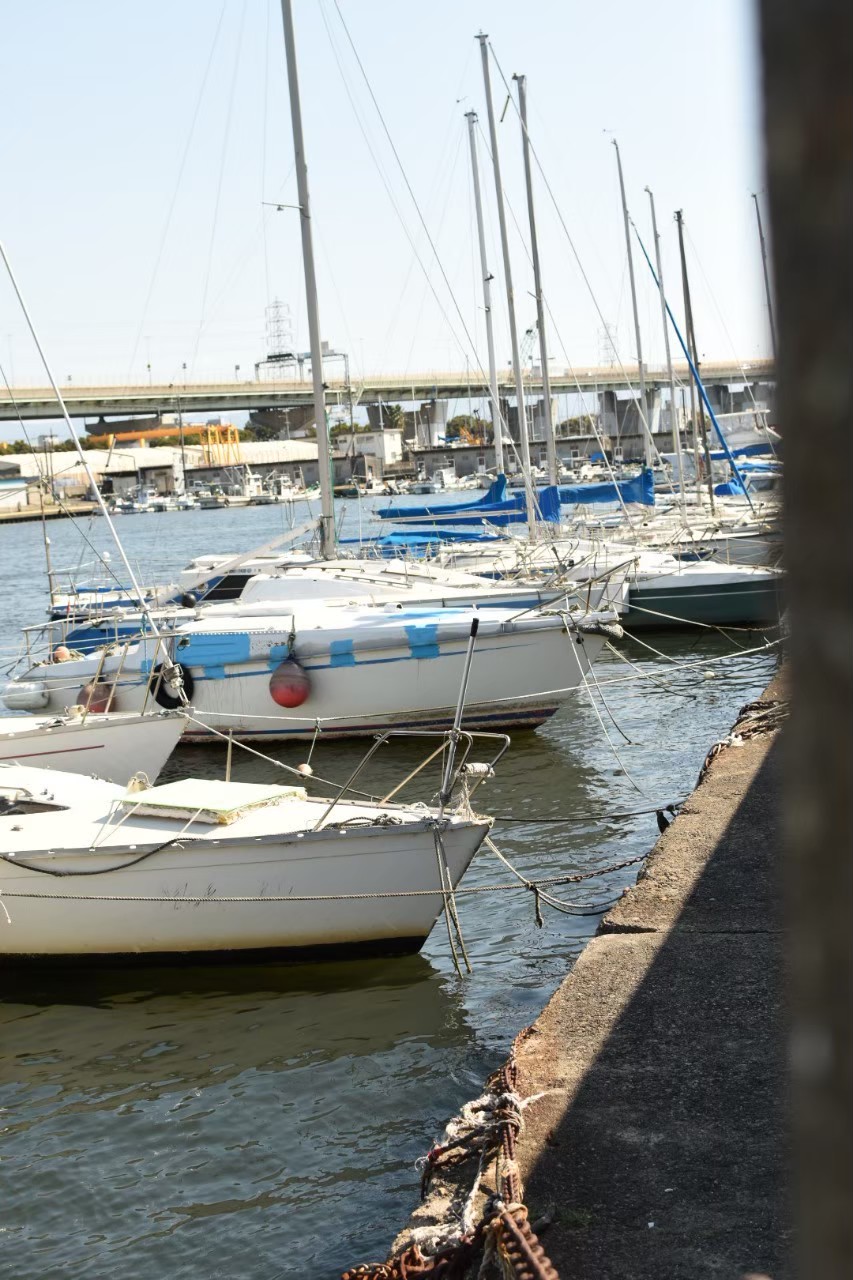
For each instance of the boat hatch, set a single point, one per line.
(207, 799)
(17, 800)
(229, 587)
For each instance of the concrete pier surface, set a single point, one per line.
(655, 1134)
(660, 1146)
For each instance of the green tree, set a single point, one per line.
(260, 431)
(393, 417)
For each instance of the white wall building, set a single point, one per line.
(378, 448)
(14, 489)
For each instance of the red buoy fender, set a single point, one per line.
(290, 684)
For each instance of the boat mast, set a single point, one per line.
(510, 295)
(551, 443)
(676, 437)
(327, 517)
(644, 407)
(182, 448)
(766, 274)
(497, 425)
(171, 672)
(48, 563)
(694, 355)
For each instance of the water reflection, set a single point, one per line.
(165, 1101)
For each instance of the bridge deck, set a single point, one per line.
(93, 401)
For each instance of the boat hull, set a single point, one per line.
(174, 902)
(520, 674)
(112, 746)
(671, 601)
(739, 549)
(517, 681)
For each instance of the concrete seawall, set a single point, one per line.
(655, 1135)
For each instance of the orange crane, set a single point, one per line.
(221, 444)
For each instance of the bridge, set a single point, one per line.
(33, 403)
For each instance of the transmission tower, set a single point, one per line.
(608, 345)
(279, 325)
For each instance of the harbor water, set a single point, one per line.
(263, 1121)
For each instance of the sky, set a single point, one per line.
(140, 143)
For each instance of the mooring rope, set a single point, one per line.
(212, 899)
(486, 1128)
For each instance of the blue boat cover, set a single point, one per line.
(512, 511)
(745, 451)
(496, 493)
(640, 489)
(734, 489)
(769, 468)
(420, 539)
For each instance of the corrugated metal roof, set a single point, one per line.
(278, 451)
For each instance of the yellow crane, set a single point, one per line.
(221, 445)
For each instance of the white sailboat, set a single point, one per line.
(112, 745)
(282, 671)
(261, 583)
(204, 867)
(661, 590)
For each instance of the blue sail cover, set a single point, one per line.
(735, 489)
(769, 468)
(512, 511)
(640, 489)
(391, 544)
(745, 451)
(496, 493)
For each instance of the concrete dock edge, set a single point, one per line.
(655, 1139)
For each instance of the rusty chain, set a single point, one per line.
(518, 1243)
(764, 715)
(504, 1239)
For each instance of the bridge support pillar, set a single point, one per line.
(431, 423)
(284, 421)
(608, 414)
(653, 400)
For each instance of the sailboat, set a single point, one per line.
(661, 590)
(283, 671)
(286, 672)
(200, 866)
(209, 867)
(113, 745)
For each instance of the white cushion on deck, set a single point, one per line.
(207, 799)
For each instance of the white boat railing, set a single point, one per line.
(465, 742)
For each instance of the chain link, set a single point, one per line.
(504, 1241)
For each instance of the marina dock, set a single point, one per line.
(652, 1086)
(51, 512)
(436, 863)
